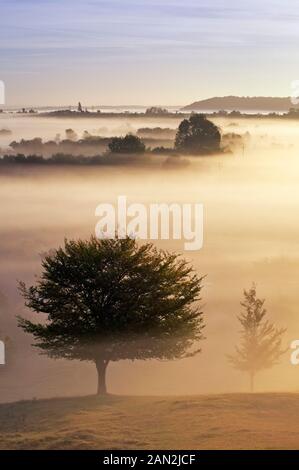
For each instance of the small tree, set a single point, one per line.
(107, 300)
(127, 145)
(261, 340)
(197, 135)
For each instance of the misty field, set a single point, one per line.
(251, 234)
(232, 421)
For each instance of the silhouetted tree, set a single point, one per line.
(71, 134)
(127, 145)
(156, 110)
(197, 135)
(261, 340)
(107, 300)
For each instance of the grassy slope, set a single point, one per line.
(235, 421)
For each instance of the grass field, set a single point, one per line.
(234, 421)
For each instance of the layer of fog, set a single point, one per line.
(251, 233)
(25, 127)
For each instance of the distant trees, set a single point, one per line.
(70, 134)
(5, 131)
(197, 135)
(156, 133)
(58, 159)
(88, 146)
(260, 347)
(156, 110)
(35, 144)
(127, 145)
(108, 300)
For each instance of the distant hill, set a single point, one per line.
(242, 103)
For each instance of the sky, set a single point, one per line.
(146, 52)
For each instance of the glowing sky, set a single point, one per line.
(146, 51)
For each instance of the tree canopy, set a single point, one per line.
(106, 300)
(127, 145)
(197, 135)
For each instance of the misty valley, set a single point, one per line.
(149, 233)
(243, 246)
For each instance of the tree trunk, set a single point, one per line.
(101, 365)
(252, 382)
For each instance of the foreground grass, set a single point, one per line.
(234, 421)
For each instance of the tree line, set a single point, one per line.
(195, 136)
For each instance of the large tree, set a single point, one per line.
(197, 135)
(260, 347)
(107, 300)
